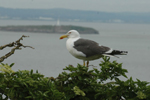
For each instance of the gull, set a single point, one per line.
(86, 49)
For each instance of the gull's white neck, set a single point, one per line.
(70, 43)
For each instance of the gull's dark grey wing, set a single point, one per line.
(89, 47)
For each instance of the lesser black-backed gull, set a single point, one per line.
(87, 50)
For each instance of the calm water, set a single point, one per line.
(50, 55)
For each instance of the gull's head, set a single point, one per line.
(71, 34)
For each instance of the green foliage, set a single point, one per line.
(75, 83)
(94, 83)
(26, 85)
(77, 91)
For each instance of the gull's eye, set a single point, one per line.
(69, 33)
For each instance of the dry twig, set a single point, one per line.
(16, 45)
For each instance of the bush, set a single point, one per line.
(75, 83)
(26, 85)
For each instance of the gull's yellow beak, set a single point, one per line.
(63, 36)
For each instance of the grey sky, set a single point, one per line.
(94, 5)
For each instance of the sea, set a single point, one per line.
(50, 55)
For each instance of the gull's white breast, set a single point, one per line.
(72, 50)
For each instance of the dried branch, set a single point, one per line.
(16, 45)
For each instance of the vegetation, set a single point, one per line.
(49, 29)
(75, 83)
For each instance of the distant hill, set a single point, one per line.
(73, 15)
(48, 29)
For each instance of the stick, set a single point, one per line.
(16, 45)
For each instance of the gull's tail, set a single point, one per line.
(118, 52)
(113, 53)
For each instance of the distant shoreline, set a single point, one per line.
(74, 15)
(48, 29)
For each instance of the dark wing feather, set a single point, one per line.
(89, 47)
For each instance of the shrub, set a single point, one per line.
(26, 85)
(75, 83)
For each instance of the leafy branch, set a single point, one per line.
(16, 46)
(75, 83)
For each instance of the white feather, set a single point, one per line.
(109, 51)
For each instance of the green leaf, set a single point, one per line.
(79, 77)
(28, 97)
(31, 72)
(11, 64)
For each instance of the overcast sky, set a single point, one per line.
(94, 5)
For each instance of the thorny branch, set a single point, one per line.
(16, 45)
